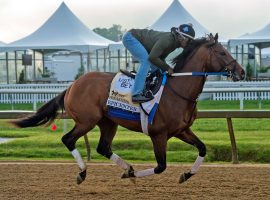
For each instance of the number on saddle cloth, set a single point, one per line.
(119, 101)
(152, 83)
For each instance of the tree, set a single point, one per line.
(47, 73)
(113, 33)
(249, 71)
(21, 77)
(81, 72)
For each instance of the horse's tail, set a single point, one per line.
(45, 115)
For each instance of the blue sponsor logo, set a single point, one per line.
(185, 29)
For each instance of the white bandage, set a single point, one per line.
(146, 172)
(76, 154)
(196, 165)
(119, 161)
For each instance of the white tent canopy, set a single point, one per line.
(175, 15)
(260, 38)
(63, 30)
(2, 43)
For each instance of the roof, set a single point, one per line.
(63, 30)
(259, 38)
(175, 15)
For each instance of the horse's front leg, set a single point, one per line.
(159, 144)
(189, 137)
(104, 148)
(108, 130)
(69, 140)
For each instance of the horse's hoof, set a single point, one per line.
(184, 177)
(81, 177)
(128, 173)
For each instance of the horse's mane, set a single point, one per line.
(180, 60)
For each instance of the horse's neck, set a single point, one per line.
(190, 86)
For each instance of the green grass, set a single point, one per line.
(233, 105)
(252, 137)
(203, 105)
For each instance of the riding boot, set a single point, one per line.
(140, 98)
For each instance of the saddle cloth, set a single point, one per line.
(120, 103)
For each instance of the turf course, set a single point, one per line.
(252, 138)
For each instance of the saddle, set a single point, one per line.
(120, 103)
(152, 83)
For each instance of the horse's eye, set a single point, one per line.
(222, 53)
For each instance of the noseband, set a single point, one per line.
(225, 67)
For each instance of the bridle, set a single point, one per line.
(225, 66)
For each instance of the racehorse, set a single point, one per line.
(85, 102)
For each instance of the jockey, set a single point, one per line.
(151, 48)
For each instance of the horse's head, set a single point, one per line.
(214, 57)
(220, 60)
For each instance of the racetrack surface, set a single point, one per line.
(50, 180)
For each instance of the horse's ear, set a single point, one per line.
(216, 38)
(211, 38)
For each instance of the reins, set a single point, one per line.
(223, 72)
(201, 74)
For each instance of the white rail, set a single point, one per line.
(40, 93)
(43, 95)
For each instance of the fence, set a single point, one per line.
(219, 90)
(247, 95)
(10, 93)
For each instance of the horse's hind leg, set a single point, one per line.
(189, 137)
(107, 132)
(70, 140)
(160, 145)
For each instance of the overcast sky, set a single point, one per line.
(231, 18)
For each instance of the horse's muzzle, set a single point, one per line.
(238, 76)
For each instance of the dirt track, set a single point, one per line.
(57, 181)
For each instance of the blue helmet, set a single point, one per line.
(186, 30)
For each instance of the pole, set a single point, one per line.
(233, 142)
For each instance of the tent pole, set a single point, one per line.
(24, 68)
(260, 54)
(16, 67)
(7, 67)
(236, 51)
(104, 62)
(43, 61)
(88, 61)
(97, 60)
(34, 64)
(118, 51)
(81, 58)
(110, 62)
(242, 52)
(126, 59)
(256, 72)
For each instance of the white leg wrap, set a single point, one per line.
(76, 154)
(196, 165)
(146, 172)
(119, 161)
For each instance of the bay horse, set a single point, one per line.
(85, 102)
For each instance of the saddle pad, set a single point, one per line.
(120, 99)
(120, 94)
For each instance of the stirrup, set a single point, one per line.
(139, 98)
